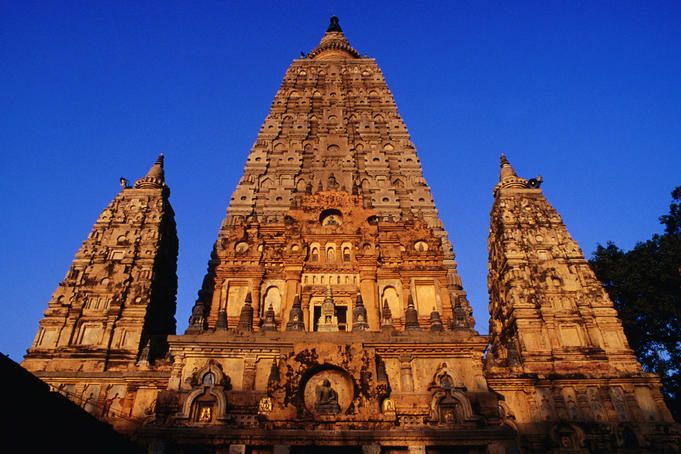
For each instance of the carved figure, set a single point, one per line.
(205, 414)
(327, 399)
(265, 406)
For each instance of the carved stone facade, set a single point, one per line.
(332, 313)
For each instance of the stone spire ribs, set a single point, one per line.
(119, 293)
(333, 125)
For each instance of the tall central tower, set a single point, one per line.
(332, 301)
(332, 195)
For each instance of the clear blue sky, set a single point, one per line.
(587, 94)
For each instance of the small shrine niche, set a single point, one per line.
(330, 217)
(421, 246)
(449, 411)
(203, 408)
(328, 392)
(449, 404)
(206, 401)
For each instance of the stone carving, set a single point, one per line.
(265, 406)
(327, 399)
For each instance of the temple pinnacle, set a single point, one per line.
(506, 169)
(155, 177)
(334, 26)
(507, 177)
(504, 161)
(333, 46)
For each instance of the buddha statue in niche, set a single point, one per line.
(327, 399)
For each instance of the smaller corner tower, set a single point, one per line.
(557, 352)
(117, 303)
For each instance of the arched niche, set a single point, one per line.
(346, 252)
(318, 383)
(331, 217)
(314, 252)
(273, 298)
(450, 407)
(391, 294)
(331, 253)
(206, 403)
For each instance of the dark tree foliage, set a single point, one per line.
(645, 286)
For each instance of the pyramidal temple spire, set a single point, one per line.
(334, 45)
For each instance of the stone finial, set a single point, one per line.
(507, 177)
(334, 26)
(295, 317)
(386, 316)
(221, 323)
(359, 315)
(155, 177)
(246, 316)
(435, 322)
(156, 170)
(504, 161)
(506, 169)
(269, 324)
(411, 317)
(334, 46)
